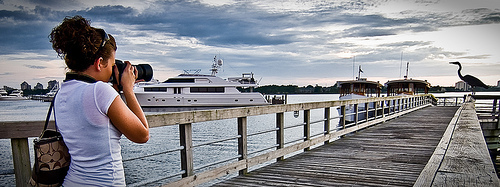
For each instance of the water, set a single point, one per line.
(23, 110)
(163, 139)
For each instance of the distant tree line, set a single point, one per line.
(294, 89)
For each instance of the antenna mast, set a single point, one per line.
(401, 64)
(407, 64)
(216, 65)
(359, 73)
(353, 64)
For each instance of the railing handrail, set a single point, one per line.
(25, 129)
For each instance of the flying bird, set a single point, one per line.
(469, 79)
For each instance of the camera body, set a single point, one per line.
(144, 71)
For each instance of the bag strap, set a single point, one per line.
(49, 114)
(52, 107)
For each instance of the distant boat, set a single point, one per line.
(407, 86)
(193, 91)
(13, 96)
(3, 92)
(358, 89)
(49, 96)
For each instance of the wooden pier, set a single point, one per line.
(402, 141)
(390, 154)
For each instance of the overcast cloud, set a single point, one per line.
(281, 42)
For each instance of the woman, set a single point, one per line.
(89, 112)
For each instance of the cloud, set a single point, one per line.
(57, 4)
(6, 73)
(407, 44)
(35, 67)
(476, 57)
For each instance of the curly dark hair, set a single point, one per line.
(79, 44)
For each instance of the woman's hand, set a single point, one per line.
(129, 77)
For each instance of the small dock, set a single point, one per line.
(390, 154)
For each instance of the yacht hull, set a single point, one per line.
(200, 100)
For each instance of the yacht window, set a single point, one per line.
(207, 90)
(177, 90)
(155, 89)
(180, 81)
(202, 81)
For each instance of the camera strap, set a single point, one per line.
(80, 77)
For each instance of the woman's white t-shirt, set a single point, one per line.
(94, 143)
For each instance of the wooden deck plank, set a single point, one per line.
(467, 160)
(389, 154)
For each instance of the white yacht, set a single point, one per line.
(3, 92)
(47, 97)
(193, 91)
(14, 95)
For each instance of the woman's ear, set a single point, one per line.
(98, 64)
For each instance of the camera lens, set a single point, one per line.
(144, 71)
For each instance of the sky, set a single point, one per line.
(283, 42)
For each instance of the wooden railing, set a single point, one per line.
(488, 112)
(450, 100)
(375, 110)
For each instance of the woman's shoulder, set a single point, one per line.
(102, 88)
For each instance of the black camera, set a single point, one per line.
(144, 71)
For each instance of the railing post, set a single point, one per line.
(383, 109)
(342, 113)
(327, 123)
(21, 158)
(494, 106)
(399, 105)
(280, 134)
(499, 106)
(186, 140)
(396, 105)
(404, 104)
(356, 112)
(408, 103)
(307, 127)
(242, 142)
(366, 111)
